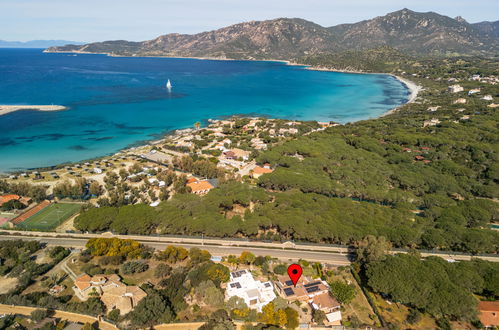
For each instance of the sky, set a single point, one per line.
(99, 20)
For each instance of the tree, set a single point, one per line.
(39, 314)
(114, 315)
(236, 302)
(219, 320)
(414, 316)
(95, 189)
(319, 316)
(372, 249)
(292, 320)
(247, 258)
(133, 267)
(151, 310)
(172, 254)
(198, 256)
(88, 326)
(343, 292)
(162, 270)
(280, 269)
(218, 273)
(13, 204)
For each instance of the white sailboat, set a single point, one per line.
(168, 85)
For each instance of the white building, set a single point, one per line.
(256, 294)
(456, 88)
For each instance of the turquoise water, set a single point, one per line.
(115, 102)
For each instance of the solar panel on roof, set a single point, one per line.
(238, 273)
(312, 289)
(289, 292)
(235, 285)
(312, 284)
(267, 285)
(289, 283)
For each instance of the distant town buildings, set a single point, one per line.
(460, 101)
(474, 91)
(255, 294)
(431, 122)
(456, 88)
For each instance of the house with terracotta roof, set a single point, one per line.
(86, 286)
(124, 298)
(200, 187)
(489, 313)
(305, 290)
(237, 153)
(315, 292)
(258, 171)
(330, 306)
(113, 293)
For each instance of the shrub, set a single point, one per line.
(133, 267)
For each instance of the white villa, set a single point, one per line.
(256, 294)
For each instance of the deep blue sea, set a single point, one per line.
(117, 101)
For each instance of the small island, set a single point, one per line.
(5, 109)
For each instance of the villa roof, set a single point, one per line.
(489, 306)
(123, 298)
(240, 152)
(325, 301)
(262, 170)
(8, 198)
(200, 186)
(489, 313)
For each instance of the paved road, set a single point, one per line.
(73, 317)
(235, 246)
(323, 257)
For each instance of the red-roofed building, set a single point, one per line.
(200, 187)
(259, 171)
(489, 313)
(419, 157)
(7, 198)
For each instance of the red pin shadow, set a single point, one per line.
(294, 272)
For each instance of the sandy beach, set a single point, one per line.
(5, 109)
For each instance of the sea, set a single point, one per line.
(117, 102)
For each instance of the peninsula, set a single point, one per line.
(5, 109)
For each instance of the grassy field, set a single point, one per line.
(50, 217)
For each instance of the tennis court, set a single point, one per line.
(50, 217)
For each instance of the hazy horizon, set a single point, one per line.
(98, 20)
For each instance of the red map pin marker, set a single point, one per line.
(294, 272)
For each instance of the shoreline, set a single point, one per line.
(5, 109)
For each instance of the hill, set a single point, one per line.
(286, 38)
(36, 43)
(489, 28)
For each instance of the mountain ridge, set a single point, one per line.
(36, 43)
(293, 38)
